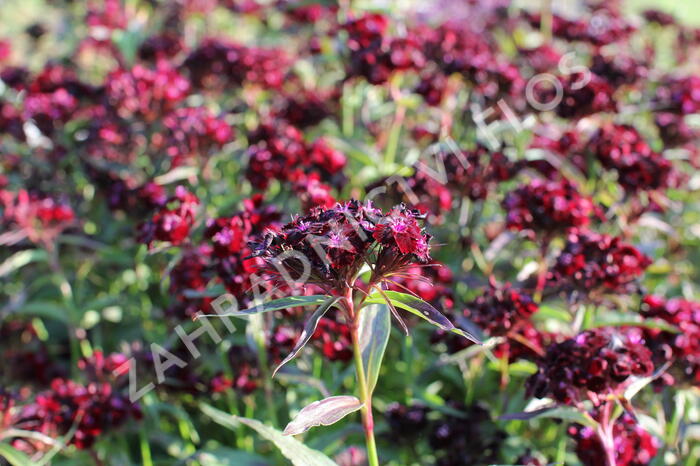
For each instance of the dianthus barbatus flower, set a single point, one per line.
(594, 363)
(683, 348)
(633, 445)
(548, 207)
(500, 309)
(330, 246)
(622, 148)
(171, 224)
(592, 262)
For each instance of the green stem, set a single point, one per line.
(146, 459)
(365, 393)
(392, 145)
(348, 110)
(546, 20)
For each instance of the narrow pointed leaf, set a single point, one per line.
(322, 413)
(393, 310)
(14, 457)
(275, 305)
(373, 334)
(292, 449)
(565, 413)
(20, 259)
(422, 309)
(309, 329)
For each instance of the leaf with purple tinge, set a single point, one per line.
(323, 413)
(422, 309)
(374, 329)
(309, 329)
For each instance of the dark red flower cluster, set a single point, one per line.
(374, 55)
(592, 262)
(145, 92)
(633, 445)
(673, 129)
(580, 98)
(26, 358)
(160, 47)
(171, 222)
(93, 410)
(454, 441)
(314, 193)
(406, 421)
(456, 48)
(603, 27)
(102, 368)
(230, 238)
(593, 364)
(622, 148)
(457, 442)
(36, 217)
(680, 95)
(682, 348)
(618, 69)
(192, 132)
(305, 107)
(500, 309)
(333, 244)
(475, 173)
(422, 191)
(547, 207)
(217, 64)
(245, 377)
(278, 150)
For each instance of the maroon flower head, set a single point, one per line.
(622, 148)
(592, 262)
(633, 445)
(333, 244)
(500, 309)
(172, 222)
(683, 348)
(547, 207)
(594, 364)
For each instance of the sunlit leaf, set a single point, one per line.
(20, 259)
(322, 413)
(292, 449)
(276, 305)
(14, 457)
(422, 309)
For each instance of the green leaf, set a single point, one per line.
(45, 309)
(20, 259)
(624, 319)
(565, 413)
(229, 457)
(276, 305)
(322, 413)
(214, 291)
(309, 329)
(374, 328)
(422, 309)
(292, 449)
(14, 457)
